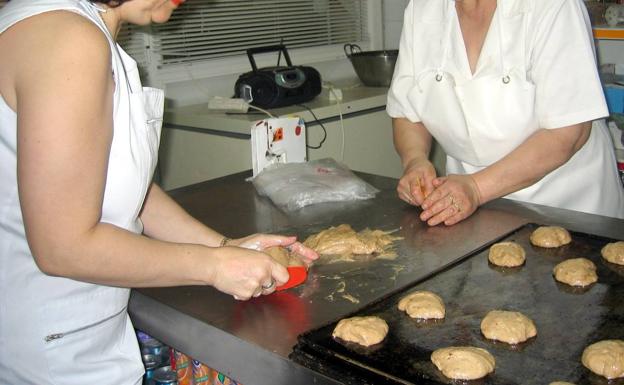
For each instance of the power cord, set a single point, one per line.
(261, 110)
(330, 86)
(320, 124)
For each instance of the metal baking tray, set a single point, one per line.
(567, 320)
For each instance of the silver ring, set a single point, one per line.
(269, 286)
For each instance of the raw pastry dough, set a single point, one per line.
(342, 240)
(614, 252)
(508, 326)
(365, 331)
(576, 272)
(507, 254)
(284, 257)
(550, 236)
(463, 362)
(423, 305)
(605, 358)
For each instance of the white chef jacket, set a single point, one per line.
(55, 330)
(546, 49)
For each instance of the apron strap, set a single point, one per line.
(446, 45)
(97, 9)
(505, 71)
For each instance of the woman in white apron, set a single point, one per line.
(80, 221)
(510, 90)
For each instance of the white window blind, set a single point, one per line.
(201, 30)
(136, 42)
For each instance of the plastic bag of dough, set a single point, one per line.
(292, 186)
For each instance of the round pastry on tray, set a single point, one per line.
(463, 362)
(576, 272)
(422, 305)
(511, 327)
(365, 331)
(605, 358)
(614, 252)
(550, 236)
(507, 254)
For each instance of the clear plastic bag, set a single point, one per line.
(292, 186)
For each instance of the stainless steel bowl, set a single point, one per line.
(374, 68)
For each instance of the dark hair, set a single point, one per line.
(110, 3)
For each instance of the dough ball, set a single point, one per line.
(463, 362)
(284, 257)
(423, 305)
(561, 383)
(576, 272)
(365, 331)
(508, 326)
(550, 236)
(605, 358)
(614, 252)
(507, 254)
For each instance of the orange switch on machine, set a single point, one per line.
(278, 134)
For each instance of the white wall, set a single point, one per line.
(610, 51)
(393, 22)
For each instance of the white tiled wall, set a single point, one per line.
(393, 22)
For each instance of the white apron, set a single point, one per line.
(55, 330)
(479, 122)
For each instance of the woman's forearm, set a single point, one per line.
(113, 256)
(411, 140)
(541, 153)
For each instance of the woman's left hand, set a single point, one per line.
(454, 198)
(261, 242)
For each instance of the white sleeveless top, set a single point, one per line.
(58, 330)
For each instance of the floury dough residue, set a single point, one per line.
(340, 291)
(343, 244)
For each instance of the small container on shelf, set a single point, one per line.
(164, 376)
(201, 373)
(184, 368)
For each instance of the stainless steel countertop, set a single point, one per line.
(251, 340)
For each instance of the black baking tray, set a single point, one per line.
(567, 320)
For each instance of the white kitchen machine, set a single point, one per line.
(277, 140)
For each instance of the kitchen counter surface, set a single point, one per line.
(251, 340)
(356, 99)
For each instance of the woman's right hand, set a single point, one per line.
(246, 273)
(417, 181)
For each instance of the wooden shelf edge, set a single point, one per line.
(609, 33)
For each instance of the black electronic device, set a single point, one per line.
(278, 86)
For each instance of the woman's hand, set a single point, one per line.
(246, 273)
(417, 181)
(453, 199)
(263, 241)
